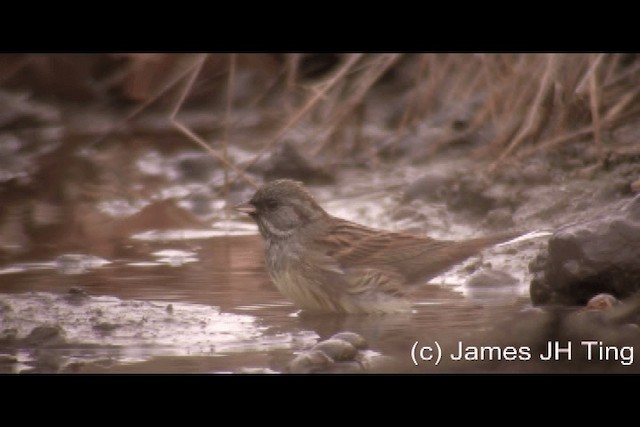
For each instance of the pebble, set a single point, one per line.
(309, 361)
(337, 349)
(45, 336)
(352, 338)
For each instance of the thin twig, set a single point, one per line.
(490, 78)
(411, 104)
(313, 99)
(367, 80)
(197, 64)
(612, 116)
(581, 88)
(195, 138)
(227, 120)
(595, 104)
(534, 118)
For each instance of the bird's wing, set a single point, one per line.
(353, 245)
(414, 257)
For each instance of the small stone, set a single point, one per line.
(352, 338)
(337, 349)
(106, 327)
(374, 362)
(45, 336)
(309, 361)
(590, 258)
(5, 307)
(169, 309)
(76, 295)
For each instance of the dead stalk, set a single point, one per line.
(177, 78)
(535, 117)
(192, 136)
(313, 99)
(366, 81)
(227, 119)
(595, 103)
(412, 102)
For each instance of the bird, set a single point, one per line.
(326, 264)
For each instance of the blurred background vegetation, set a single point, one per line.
(350, 108)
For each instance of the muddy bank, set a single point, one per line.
(119, 251)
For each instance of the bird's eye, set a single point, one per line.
(271, 204)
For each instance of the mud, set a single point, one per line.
(125, 256)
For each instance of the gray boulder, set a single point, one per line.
(585, 259)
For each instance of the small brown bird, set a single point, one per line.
(327, 264)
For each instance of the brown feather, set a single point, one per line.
(324, 263)
(413, 257)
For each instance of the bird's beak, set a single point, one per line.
(246, 208)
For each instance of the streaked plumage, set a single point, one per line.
(327, 264)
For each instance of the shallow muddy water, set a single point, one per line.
(149, 273)
(215, 313)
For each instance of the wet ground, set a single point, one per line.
(119, 251)
(150, 272)
(126, 258)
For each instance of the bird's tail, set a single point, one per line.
(467, 248)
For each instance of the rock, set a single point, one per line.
(585, 259)
(5, 307)
(352, 338)
(609, 326)
(491, 277)
(45, 336)
(287, 162)
(76, 295)
(309, 361)
(106, 327)
(337, 354)
(337, 349)
(373, 362)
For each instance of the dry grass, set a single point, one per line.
(528, 103)
(531, 102)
